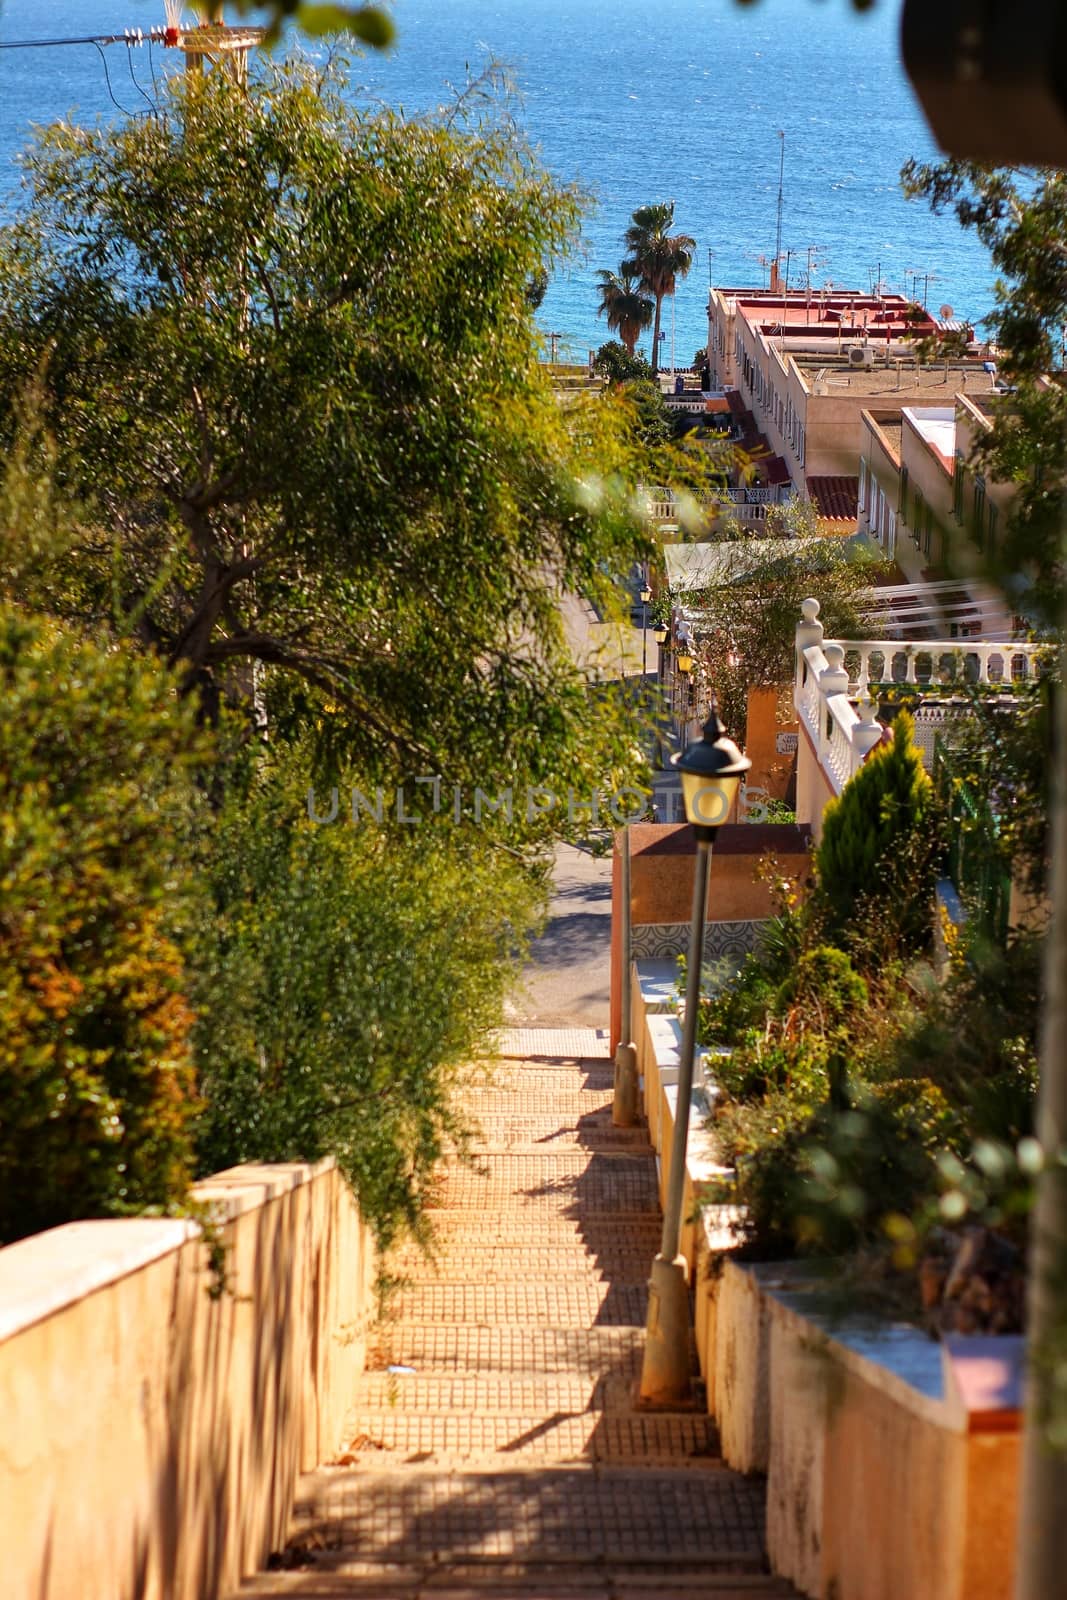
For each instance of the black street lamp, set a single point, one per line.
(646, 596)
(711, 773)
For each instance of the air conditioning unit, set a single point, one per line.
(860, 355)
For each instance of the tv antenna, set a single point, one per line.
(781, 196)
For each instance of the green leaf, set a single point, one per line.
(369, 23)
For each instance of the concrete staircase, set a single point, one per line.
(495, 1449)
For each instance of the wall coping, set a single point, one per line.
(896, 1358)
(732, 839)
(52, 1270)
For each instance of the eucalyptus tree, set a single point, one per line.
(657, 257)
(284, 348)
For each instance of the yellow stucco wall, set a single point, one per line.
(152, 1435)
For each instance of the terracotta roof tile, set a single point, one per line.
(835, 495)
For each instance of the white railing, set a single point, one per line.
(939, 663)
(835, 678)
(743, 502)
(840, 733)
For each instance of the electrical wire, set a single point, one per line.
(152, 107)
(152, 68)
(107, 76)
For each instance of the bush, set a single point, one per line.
(96, 805)
(787, 1035)
(977, 1039)
(835, 1182)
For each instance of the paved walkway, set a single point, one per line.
(567, 982)
(494, 1445)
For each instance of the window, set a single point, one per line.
(994, 517)
(902, 505)
(864, 481)
(919, 513)
(979, 510)
(957, 488)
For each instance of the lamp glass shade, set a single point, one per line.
(708, 799)
(685, 663)
(711, 771)
(660, 635)
(646, 595)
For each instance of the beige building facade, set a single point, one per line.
(807, 367)
(919, 489)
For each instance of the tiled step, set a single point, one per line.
(577, 1044)
(590, 1352)
(561, 1303)
(543, 1135)
(353, 1580)
(592, 1181)
(537, 1100)
(536, 1258)
(468, 1394)
(551, 1514)
(596, 1231)
(447, 1438)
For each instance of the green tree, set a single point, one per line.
(749, 636)
(625, 305)
(97, 808)
(298, 390)
(1022, 220)
(616, 363)
(657, 258)
(345, 972)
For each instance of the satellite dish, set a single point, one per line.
(946, 313)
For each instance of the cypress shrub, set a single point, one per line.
(879, 845)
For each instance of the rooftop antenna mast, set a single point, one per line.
(781, 195)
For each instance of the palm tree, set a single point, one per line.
(657, 257)
(624, 303)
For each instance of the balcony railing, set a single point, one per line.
(747, 503)
(838, 682)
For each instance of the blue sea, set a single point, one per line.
(638, 100)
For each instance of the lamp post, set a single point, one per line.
(711, 772)
(659, 633)
(646, 596)
(684, 663)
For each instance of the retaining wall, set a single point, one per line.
(152, 1433)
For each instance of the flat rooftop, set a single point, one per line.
(961, 377)
(823, 313)
(936, 425)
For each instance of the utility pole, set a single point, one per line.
(213, 39)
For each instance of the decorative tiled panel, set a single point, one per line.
(723, 941)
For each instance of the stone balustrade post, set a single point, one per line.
(867, 732)
(809, 632)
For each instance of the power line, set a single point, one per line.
(131, 36)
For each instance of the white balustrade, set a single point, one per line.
(831, 674)
(940, 663)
